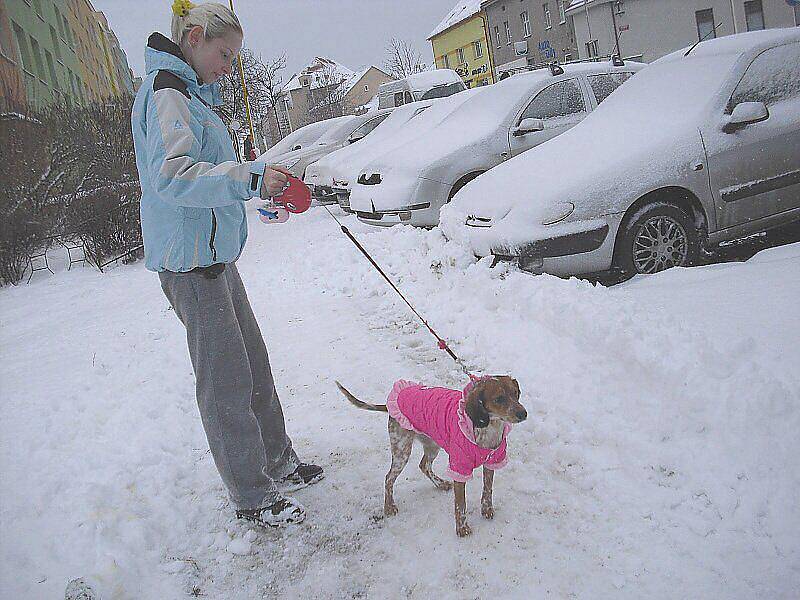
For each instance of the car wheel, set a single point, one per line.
(657, 237)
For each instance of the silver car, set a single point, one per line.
(701, 147)
(412, 182)
(348, 130)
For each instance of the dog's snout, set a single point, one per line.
(522, 414)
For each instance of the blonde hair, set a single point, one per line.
(216, 20)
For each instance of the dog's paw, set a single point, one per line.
(487, 512)
(463, 530)
(390, 510)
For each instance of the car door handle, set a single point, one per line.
(698, 167)
(504, 154)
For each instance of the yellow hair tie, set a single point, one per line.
(182, 7)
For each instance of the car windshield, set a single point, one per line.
(339, 132)
(667, 94)
(442, 91)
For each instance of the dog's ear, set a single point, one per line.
(476, 411)
(515, 385)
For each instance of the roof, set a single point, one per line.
(575, 4)
(356, 77)
(462, 11)
(314, 69)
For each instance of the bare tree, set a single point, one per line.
(403, 60)
(327, 94)
(263, 82)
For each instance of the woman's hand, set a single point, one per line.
(273, 182)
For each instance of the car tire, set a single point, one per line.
(656, 237)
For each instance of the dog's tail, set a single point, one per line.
(358, 403)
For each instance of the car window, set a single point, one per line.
(558, 100)
(442, 91)
(367, 127)
(398, 99)
(605, 83)
(773, 76)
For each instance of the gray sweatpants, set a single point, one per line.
(239, 406)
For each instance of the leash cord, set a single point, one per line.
(442, 344)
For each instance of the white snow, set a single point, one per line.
(659, 459)
(462, 11)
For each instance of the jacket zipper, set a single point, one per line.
(213, 233)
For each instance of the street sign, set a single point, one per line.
(624, 27)
(520, 48)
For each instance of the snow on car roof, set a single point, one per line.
(735, 44)
(461, 11)
(303, 136)
(429, 79)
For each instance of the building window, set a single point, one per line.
(591, 49)
(705, 24)
(562, 12)
(52, 68)
(497, 36)
(460, 55)
(478, 49)
(526, 24)
(37, 57)
(54, 39)
(754, 14)
(548, 23)
(508, 32)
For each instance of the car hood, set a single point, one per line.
(645, 132)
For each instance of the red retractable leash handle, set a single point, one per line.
(295, 198)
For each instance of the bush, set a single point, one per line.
(67, 171)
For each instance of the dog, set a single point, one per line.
(471, 426)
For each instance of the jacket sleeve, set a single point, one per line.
(174, 140)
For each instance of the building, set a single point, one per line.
(59, 51)
(529, 32)
(460, 42)
(635, 28)
(323, 89)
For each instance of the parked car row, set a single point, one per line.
(586, 167)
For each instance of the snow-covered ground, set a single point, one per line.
(659, 459)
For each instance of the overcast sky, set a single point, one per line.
(353, 32)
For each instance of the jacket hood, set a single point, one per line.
(162, 54)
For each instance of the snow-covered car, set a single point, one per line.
(701, 147)
(300, 138)
(349, 130)
(331, 176)
(437, 83)
(494, 123)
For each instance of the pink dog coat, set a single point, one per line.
(439, 413)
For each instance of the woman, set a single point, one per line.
(194, 228)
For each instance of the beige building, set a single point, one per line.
(322, 90)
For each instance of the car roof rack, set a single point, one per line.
(615, 59)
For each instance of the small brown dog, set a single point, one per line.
(471, 426)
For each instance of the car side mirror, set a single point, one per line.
(746, 113)
(528, 126)
(297, 147)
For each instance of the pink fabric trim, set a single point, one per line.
(394, 409)
(455, 476)
(495, 466)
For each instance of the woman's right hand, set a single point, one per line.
(273, 182)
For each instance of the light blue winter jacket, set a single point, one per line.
(193, 188)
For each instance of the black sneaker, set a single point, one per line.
(284, 511)
(303, 476)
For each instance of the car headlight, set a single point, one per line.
(557, 213)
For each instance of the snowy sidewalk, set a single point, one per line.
(659, 459)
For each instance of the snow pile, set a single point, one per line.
(659, 455)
